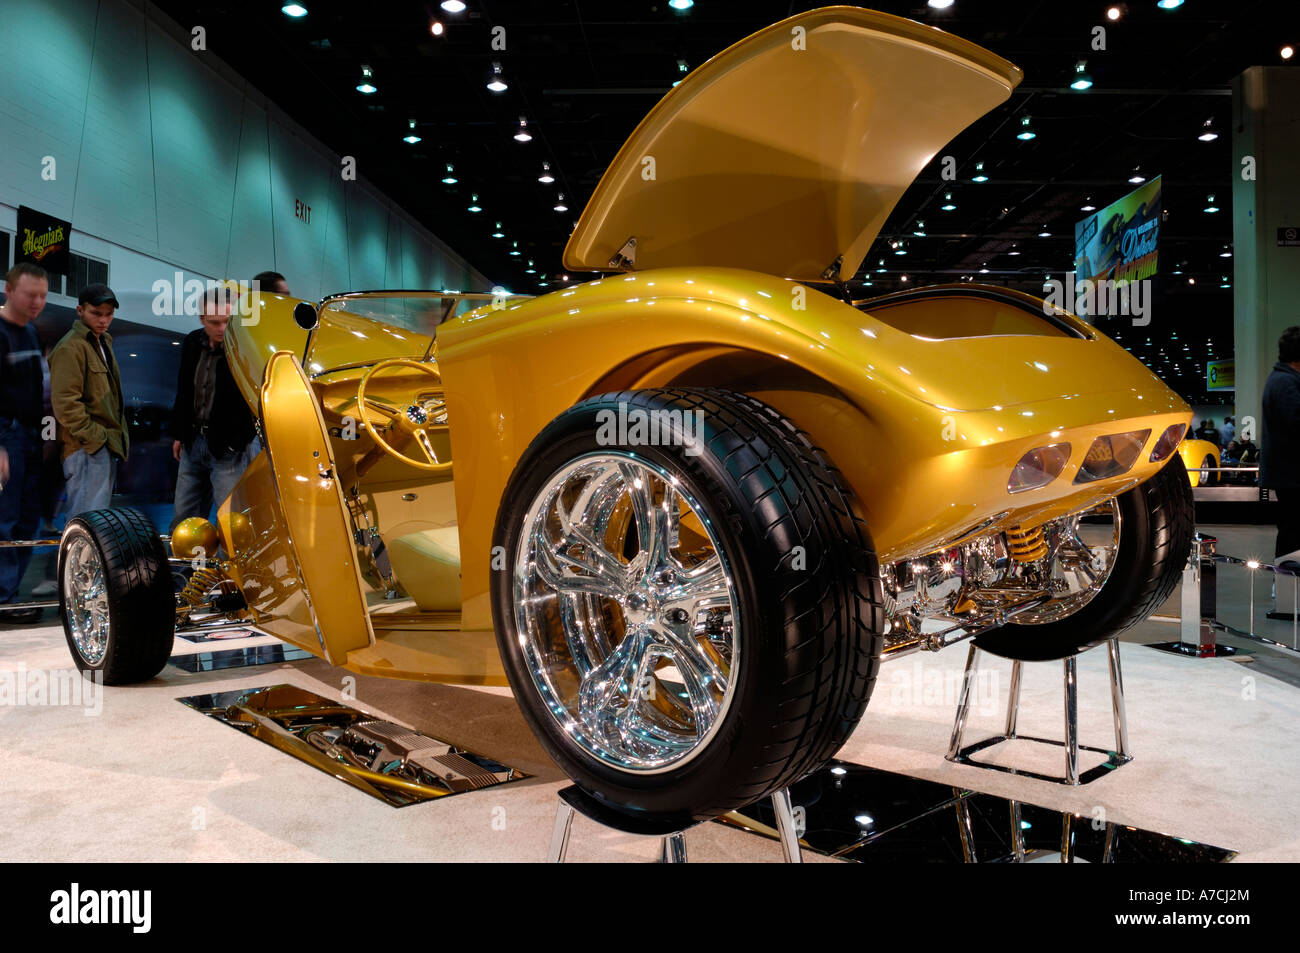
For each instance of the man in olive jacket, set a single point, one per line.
(86, 393)
(1279, 463)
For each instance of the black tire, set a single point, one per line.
(1157, 520)
(140, 591)
(813, 634)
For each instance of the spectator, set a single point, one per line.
(1208, 432)
(22, 376)
(214, 435)
(86, 393)
(1279, 465)
(272, 281)
(1229, 431)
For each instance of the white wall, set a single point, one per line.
(165, 161)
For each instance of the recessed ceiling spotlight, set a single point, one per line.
(498, 233)
(365, 86)
(514, 248)
(947, 205)
(411, 138)
(453, 6)
(1210, 207)
(1226, 253)
(450, 177)
(984, 269)
(1208, 132)
(1137, 178)
(920, 229)
(1026, 131)
(1087, 205)
(473, 203)
(681, 4)
(559, 204)
(1114, 13)
(523, 135)
(1287, 52)
(1014, 250)
(1044, 234)
(546, 178)
(496, 79)
(904, 278)
(1169, 4)
(979, 173)
(530, 270)
(940, 4)
(294, 10)
(436, 28)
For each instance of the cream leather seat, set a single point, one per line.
(427, 564)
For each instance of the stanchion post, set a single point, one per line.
(1200, 597)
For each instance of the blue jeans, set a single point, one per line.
(204, 479)
(90, 479)
(20, 501)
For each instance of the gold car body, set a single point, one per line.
(926, 401)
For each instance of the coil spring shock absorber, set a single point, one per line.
(200, 584)
(1026, 545)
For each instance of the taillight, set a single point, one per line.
(1168, 442)
(1112, 455)
(1039, 467)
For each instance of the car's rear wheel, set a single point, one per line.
(692, 622)
(116, 595)
(1207, 472)
(1130, 553)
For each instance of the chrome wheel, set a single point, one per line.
(626, 612)
(1081, 554)
(85, 596)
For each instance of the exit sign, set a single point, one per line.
(302, 211)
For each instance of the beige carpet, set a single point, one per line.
(147, 778)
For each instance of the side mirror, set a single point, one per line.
(304, 315)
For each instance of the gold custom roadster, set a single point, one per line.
(684, 509)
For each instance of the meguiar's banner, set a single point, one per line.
(1119, 241)
(42, 240)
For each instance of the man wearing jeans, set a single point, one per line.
(215, 439)
(86, 393)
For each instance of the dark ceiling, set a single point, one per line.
(583, 74)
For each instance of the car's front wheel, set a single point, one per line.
(116, 595)
(692, 620)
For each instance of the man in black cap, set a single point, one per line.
(22, 404)
(86, 392)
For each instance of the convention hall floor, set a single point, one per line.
(1216, 746)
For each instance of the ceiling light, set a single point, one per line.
(453, 6)
(1225, 283)
(904, 278)
(411, 138)
(436, 28)
(1169, 4)
(1044, 234)
(1087, 205)
(979, 173)
(530, 270)
(681, 4)
(365, 86)
(559, 204)
(1226, 253)
(984, 269)
(1114, 13)
(920, 230)
(498, 233)
(1287, 51)
(900, 250)
(450, 177)
(1026, 132)
(947, 205)
(546, 178)
(1210, 207)
(1208, 132)
(1137, 178)
(496, 81)
(682, 67)
(473, 203)
(294, 10)
(1014, 249)
(1081, 78)
(941, 4)
(514, 250)
(523, 135)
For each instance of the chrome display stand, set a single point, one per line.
(1114, 758)
(670, 831)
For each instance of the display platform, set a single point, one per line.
(238, 657)
(862, 814)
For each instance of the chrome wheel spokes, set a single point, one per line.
(85, 593)
(626, 612)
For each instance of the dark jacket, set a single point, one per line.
(230, 426)
(86, 393)
(1279, 462)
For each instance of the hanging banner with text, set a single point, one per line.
(1119, 241)
(43, 240)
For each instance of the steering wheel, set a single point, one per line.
(413, 421)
